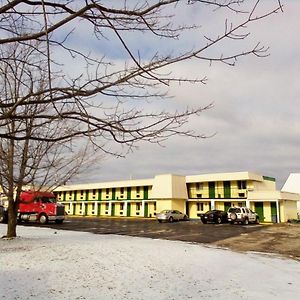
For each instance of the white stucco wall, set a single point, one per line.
(292, 185)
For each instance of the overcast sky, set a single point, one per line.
(255, 116)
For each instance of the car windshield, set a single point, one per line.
(210, 211)
(165, 211)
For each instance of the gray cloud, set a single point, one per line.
(255, 115)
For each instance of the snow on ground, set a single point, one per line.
(50, 264)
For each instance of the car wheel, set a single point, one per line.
(171, 219)
(257, 221)
(1, 217)
(204, 221)
(43, 219)
(185, 218)
(219, 220)
(246, 221)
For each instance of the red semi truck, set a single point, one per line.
(36, 206)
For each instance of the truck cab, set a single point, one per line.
(35, 206)
(40, 206)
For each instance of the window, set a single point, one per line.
(94, 192)
(154, 205)
(242, 184)
(199, 185)
(241, 194)
(121, 206)
(199, 195)
(235, 210)
(106, 206)
(48, 200)
(122, 190)
(138, 189)
(107, 191)
(81, 192)
(200, 206)
(138, 206)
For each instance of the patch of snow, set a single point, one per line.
(51, 264)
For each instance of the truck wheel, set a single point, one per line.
(43, 219)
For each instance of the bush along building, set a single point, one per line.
(192, 195)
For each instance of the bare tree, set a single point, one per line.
(86, 94)
(33, 162)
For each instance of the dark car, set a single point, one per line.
(214, 216)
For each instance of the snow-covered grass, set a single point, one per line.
(51, 264)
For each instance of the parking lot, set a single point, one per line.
(281, 239)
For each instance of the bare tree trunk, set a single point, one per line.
(12, 218)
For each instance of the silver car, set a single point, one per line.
(169, 215)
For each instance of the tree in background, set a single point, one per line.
(71, 74)
(29, 161)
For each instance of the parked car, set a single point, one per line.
(242, 215)
(214, 216)
(169, 215)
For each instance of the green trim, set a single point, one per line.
(113, 209)
(99, 209)
(129, 193)
(227, 189)
(86, 195)
(113, 196)
(145, 192)
(269, 178)
(99, 194)
(211, 190)
(273, 212)
(146, 210)
(64, 196)
(75, 195)
(227, 205)
(128, 209)
(259, 209)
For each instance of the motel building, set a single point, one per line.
(192, 195)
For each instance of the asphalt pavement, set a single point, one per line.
(189, 231)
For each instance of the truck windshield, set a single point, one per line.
(48, 200)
